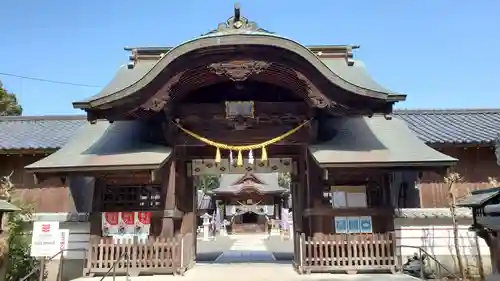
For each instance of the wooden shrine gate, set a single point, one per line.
(241, 98)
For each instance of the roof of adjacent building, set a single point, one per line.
(450, 126)
(479, 197)
(37, 132)
(426, 213)
(458, 126)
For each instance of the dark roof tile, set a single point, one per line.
(458, 126)
(37, 132)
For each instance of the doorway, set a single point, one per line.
(249, 217)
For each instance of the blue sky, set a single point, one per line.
(441, 53)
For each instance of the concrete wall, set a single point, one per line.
(435, 235)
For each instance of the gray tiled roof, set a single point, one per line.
(479, 197)
(37, 132)
(460, 126)
(418, 213)
(432, 126)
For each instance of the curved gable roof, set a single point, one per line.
(228, 35)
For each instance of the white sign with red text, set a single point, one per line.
(46, 238)
(63, 243)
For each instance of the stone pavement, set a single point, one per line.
(257, 272)
(247, 248)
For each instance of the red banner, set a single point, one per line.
(111, 218)
(128, 218)
(144, 217)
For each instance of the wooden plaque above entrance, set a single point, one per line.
(209, 167)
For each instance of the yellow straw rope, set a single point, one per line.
(240, 148)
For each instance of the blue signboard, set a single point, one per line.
(353, 225)
(366, 224)
(340, 224)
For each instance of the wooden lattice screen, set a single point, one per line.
(130, 198)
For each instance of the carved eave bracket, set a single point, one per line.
(314, 95)
(158, 102)
(238, 70)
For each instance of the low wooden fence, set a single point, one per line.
(160, 255)
(348, 252)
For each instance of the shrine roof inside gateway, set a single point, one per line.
(375, 141)
(229, 184)
(105, 146)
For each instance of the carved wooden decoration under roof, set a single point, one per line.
(158, 101)
(237, 23)
(314, 95)
(238, 70)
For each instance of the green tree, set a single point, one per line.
(20, 262)
(206, 182)
(284, 180)
(9, 105)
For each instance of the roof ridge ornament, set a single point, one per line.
(237, 24)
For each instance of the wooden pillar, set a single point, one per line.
(315, 187)
(168, 194)
(95, 217)
(297, 206)
(304, 189)
(185, 196)
(495, 253)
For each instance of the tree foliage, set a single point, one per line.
(9, 105)
(206, 182)
(20, 261)
(284, 180)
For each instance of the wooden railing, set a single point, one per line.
(160, 255)
(348, 252)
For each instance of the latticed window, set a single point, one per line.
(131, 198)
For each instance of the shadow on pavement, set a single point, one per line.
(208, 251)
(281, 249)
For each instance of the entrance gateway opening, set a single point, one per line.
(241, 103)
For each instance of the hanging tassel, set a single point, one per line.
(250, 157)
(217, 156)
(231, 159)
(263, 157)
(239, 162)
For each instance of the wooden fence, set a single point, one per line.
(348, 252)
(160, 255)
